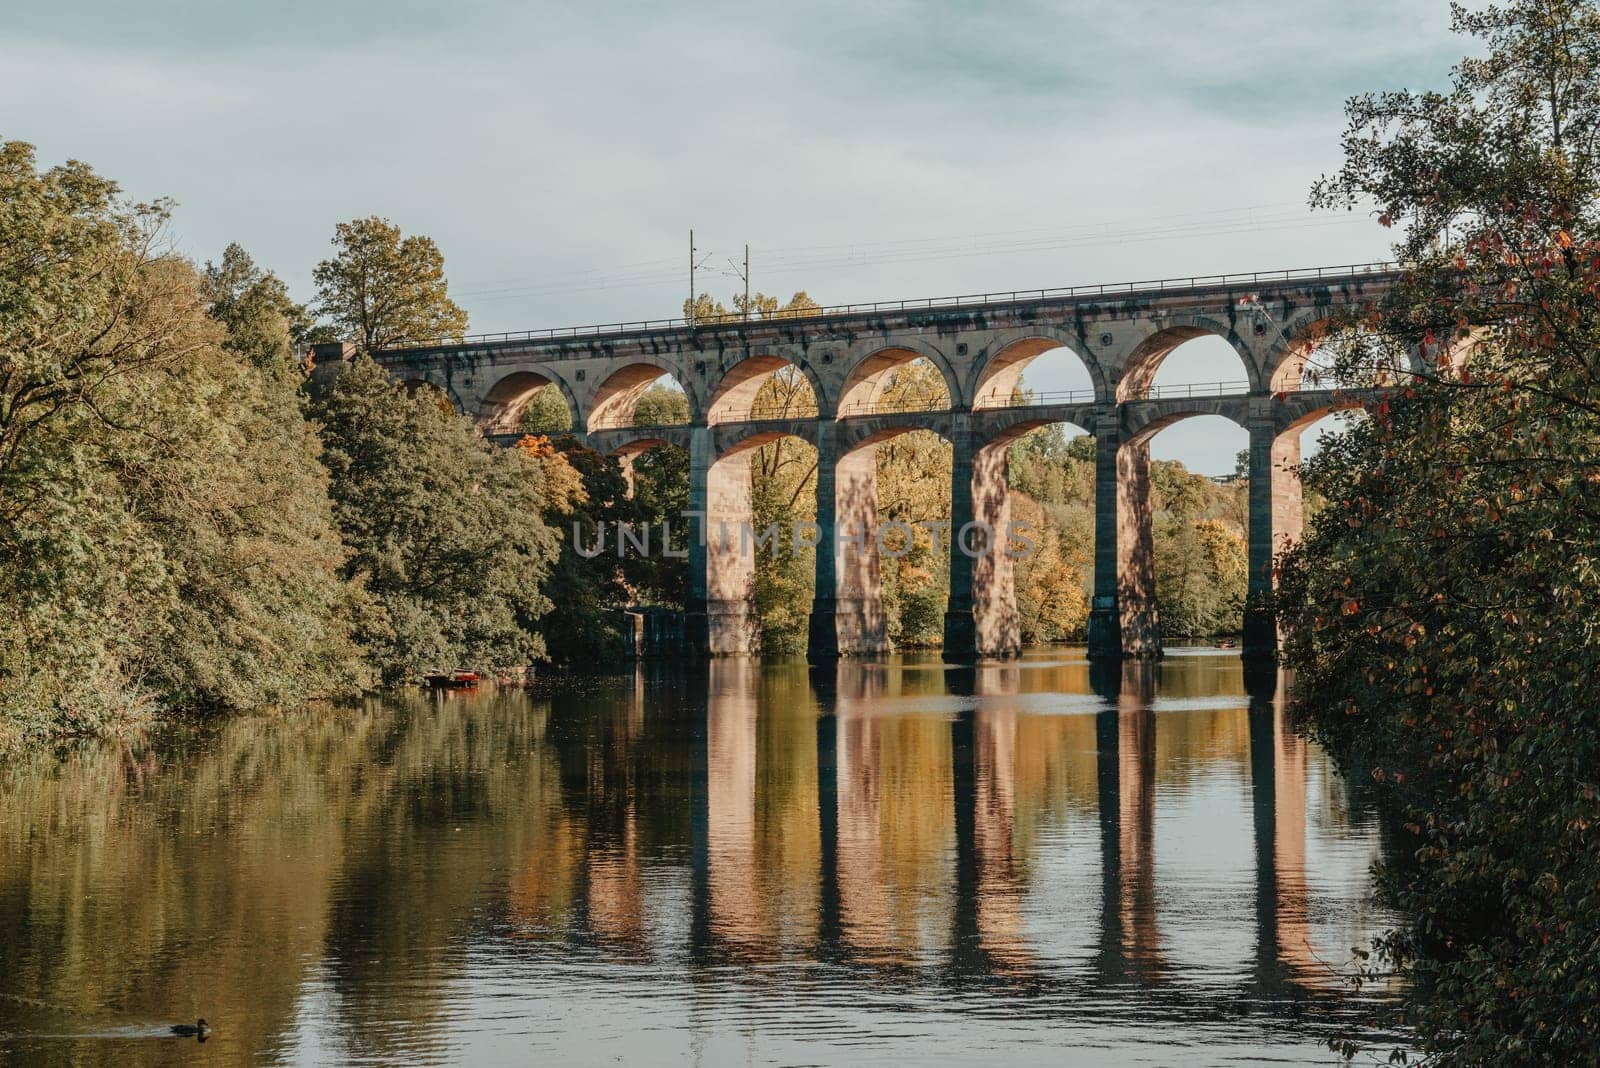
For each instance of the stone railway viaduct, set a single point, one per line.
(980, 345)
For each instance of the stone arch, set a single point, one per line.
(1296, 412)
(732, 541)
(745, 444)
(885, 433)
(617, 394)
(862, 623)
(733, 437)
(502, 407)
(1003, 435)
(614, 441)
(1141, 623)
(1002, 364)
(1288, 503)
(734, 395)
(448, 395)
(1139, 367)
(870, 373)
(629, 450)
(874, 430)
(1284, 363)
(633, 448)
(1149, 418)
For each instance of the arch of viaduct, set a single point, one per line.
(980, 348)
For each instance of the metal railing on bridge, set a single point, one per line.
(974, 300)
(1057, 398)
(1033, 399)
(1196, 389)
(762, 412)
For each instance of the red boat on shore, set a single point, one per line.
(452, 680)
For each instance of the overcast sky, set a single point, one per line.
(559, 153)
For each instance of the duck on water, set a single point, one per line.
(198, 1029)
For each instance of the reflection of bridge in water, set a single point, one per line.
(837, 830)
(980, 347)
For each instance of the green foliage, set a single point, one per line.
(783, 485)
(707, 309)
(587, 592)
(1197, 532)
(380, 290)
(165, 535)
(445, 530)
(1442, 608)
(1200, 557)
(263, 323)
(547, 413)
(660, 501)
(914, 473)
(85, 298)
(661, 405)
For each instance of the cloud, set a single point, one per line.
(543, 145)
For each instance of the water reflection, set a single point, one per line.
(728, 861)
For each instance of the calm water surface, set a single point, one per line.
(879, 863)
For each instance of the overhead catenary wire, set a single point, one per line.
(840, 257)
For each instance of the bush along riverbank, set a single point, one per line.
(1443, 610)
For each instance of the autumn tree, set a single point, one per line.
(446, 531)
(263, 322)
(87, 299)
(380, 290)
(165, 536)
(783, 484)
(707, 309)
(1442, 607)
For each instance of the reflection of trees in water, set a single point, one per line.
(207, 875)
(224, 873)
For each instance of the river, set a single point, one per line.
(736, 864)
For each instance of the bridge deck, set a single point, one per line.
(844, 316)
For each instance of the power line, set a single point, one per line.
(850, 257)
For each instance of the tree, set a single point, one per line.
(588, 588)
(914, 473)
(707, 309)
(445, 530)
(263, 323)
(232, 485)
(380, 290)
(165, 540)
(547, 413)
(1052, 595)
(1441, 609)
(783, 485)
(661, 405)
(86, 296)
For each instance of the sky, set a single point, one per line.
(869, 149)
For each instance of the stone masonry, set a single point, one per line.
(980, 347)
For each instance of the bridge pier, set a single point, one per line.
(719, 617)
(980, 347)
(847, 617)
(1105, 615)
(1123, 621)
(960, 619)
(1276, 521)
(1136, 586)
(981, 620)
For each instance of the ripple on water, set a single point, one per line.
(882, 863)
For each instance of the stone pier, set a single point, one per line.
(979, 347)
